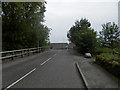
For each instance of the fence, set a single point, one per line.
(22, 52)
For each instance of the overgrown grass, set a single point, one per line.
(117, 50)
(103, 50)
(110, 62)
(110, 57)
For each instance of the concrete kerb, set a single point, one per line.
(83, 77)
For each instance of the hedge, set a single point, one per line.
(110, 62)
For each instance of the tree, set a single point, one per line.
(110, 35)
(83, 36)
(22, 24)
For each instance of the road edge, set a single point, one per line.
(82, 75)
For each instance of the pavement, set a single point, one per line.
(95, 76)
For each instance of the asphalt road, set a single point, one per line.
(51, 69)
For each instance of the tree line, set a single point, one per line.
(23, 25)
(87, 39)
(104, 46)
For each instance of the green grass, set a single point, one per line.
(117, 50)
(110, 62)
(104, 50)
(110, 57)
(93, 59)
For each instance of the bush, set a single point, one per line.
(103, 50)
(110, 57)
(110, 62)
(117, 50)
(83, 36)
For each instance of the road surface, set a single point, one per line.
(51, 69)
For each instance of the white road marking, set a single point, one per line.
(45, 61)
(27, 74)
(54, 55)
(20, 79)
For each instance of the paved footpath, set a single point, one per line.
(96, 76)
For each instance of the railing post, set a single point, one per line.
(42, 49)
(21, 53)
(32, 51)
(28, 51)
(13, 55)
(39, 49)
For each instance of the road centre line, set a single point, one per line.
(26, 74)
(47, 60)
(54, 55)
(20, 79)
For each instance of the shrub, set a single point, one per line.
(83, 36)
(103, 50)
(117, 50)
(110, 62)
(110, 57)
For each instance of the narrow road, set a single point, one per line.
(51, 69)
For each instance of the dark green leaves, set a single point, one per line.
(109, 35)
(22, 25)
(83, 36)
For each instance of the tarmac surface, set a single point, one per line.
(55, 69)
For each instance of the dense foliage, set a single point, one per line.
(110, 62)
(83, 36)
(22, 25)
(108, 48)
(110, 35)
(105, 47)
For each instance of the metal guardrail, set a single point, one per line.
(22, 52)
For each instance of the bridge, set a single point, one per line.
(43, 67)
(62, 45)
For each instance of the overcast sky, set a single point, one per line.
(61, 15)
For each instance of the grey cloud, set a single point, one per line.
(61, 16)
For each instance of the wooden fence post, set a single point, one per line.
(28, 51)
(13, 55)
(22, 53)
